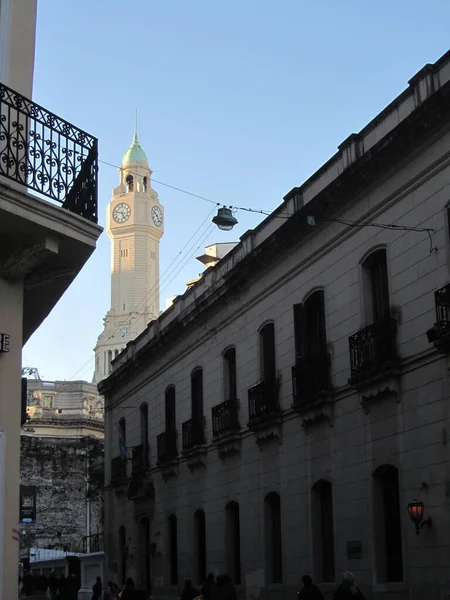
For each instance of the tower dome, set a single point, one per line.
(135, 153)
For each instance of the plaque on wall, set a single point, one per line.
(354, 549)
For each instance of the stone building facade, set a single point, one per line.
(283, 414)
(62, 454)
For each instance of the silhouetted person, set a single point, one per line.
(97, 589)
(348, 590)
(128, 590)
(189, 592)
(228, 591)
(208, 586)
(309, 590)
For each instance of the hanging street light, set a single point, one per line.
(416, 510)
(225, 219)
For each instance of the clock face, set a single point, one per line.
(157, 217)
(123, 331)
(121, 213)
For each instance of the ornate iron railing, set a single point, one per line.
(91, 543)
(442, 304)
(310, 377)
(167, 446)
(193, 433)
(139, 459)
(263, 401)
(47, 154)
(225, 417)
(372, 347)
(118, 470)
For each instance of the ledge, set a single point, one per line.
(228, 444)
(196, 456)
(318, 410)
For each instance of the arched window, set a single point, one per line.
(200, 545)
(230, 383)
(110, 357)
(376, 287)
(267, 352)
(130, 183)
(123, 551)
(233, 541)
(387, 525)
(144, 184)
(323, 531)
(173, 548)
(144, 555)
(273, 538)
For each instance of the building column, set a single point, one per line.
(11, 317)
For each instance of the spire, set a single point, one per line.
(135, 153)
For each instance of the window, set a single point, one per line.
(387, 525)
(47, 402)
(173, 549)
(230, 385)
(144, 433)
(110, 357)
(200, 545)
(309, 327)
(233, 541)
(170, 409)
(323, 531)
(376, 287)
(267, 352)
(273, 542)
(130, 183)
(197, 395)
(122, 554)
(144, 554)
(144, 184)
(123, 430)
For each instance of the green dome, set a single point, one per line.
(134, 153)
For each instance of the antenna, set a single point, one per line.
(135, 124)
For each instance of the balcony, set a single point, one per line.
(310, 379)
(225, 418)
(48, 203)
(139, 459)
(118, 470)
(263, 403)
(439, 334)
(47, 154)
(372, 351)
(193, 434)
(167, 447)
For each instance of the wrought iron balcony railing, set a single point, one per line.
(91, 543)
(118, 470)
(310, 378)
(225, 418)
(372, 348)
(193, 433)
(167, 446)
(139, 459)
(47, 154)
(263, 401)
(439, 334)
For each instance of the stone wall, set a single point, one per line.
(68, 474)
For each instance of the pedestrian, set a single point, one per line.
(97, 589)
(348, 590)
(228, 589)
(189, 592)
(309, 590)
(111, 592)
(128, 590)
(53, 585)
(208, 586)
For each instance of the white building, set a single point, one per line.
(294, 401)
(48, 230)
(135, 225)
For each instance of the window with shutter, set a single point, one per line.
(170, 409)
(197, 394)
(267, 339)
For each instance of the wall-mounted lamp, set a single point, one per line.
(416, 510)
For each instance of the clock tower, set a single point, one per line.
(135, 225)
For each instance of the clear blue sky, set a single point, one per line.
(238, 101)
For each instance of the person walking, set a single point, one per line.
(97, 589)
(309, 590)
(348, 590)
(189, 592)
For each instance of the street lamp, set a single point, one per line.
(225, 219)
(416, 509)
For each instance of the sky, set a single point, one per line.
(238, 101)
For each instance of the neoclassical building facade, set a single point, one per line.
(290, 410)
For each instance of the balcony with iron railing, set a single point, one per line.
(139, 459)
(167, 447)
(439, 334)
(310, 379)
(193, 433)
(372, 350)
(48, 155)
(263, 403)
(91, 543)
(225, 418)
(118, 470)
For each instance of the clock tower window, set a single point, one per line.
(144, 184)
(130, 183)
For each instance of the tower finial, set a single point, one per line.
(135, 139)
